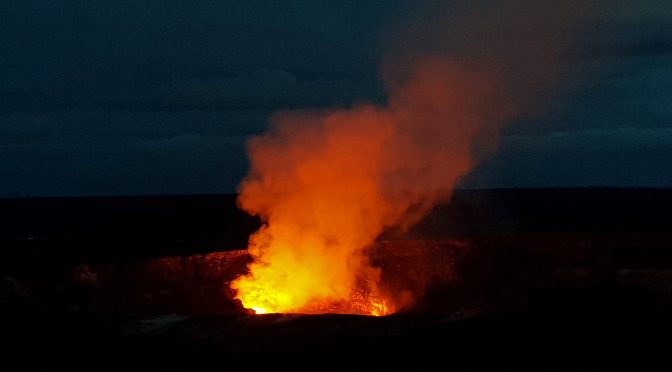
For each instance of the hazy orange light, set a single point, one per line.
(326, 184)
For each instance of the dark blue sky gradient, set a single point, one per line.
(157, 97)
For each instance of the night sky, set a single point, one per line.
(157, 97)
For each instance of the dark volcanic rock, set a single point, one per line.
(199, 284)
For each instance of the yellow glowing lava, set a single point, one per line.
(259, 310)
(307, 279)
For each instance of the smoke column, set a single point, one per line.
(327, 183)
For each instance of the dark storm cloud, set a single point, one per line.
(615, 130)
(625, 157)
(65, 54)
(124, 97)
(140, 41)
(660, 46)
(107, 97)
(623, 38)
(125, 152)
(254, 90)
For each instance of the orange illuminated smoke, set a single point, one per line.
(326, 184)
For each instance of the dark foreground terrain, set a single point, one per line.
(133, 281)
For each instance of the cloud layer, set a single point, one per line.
(100, 97)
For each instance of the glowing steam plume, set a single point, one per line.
(326, 184)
